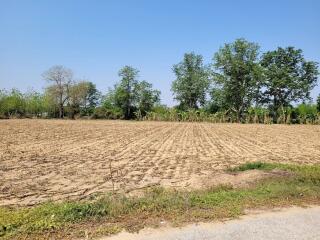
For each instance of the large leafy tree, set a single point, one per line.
(92, 98)
(125, 91)
(288, 77)
(111, 106)
(83, 98)
(192, 82)
(130, 97)
(147, 97)
(237, 75)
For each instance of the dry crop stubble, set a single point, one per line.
(44, 160)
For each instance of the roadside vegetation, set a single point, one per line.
(109, 214)
(241, 84)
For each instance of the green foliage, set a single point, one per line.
(146, 98)
(258, 115)
(238, 75)
(303, 114)
(305, 174)
(253, 165)
(35, 104)
(91, 99)
(288, 77)
(217, 102)
(240, 88)
(12, 103)
(51, 102)
(107, 113)
(192, 81)
(125, 92)
(3, 97)
(129, 99)
(191, 115)
(307, 113)
(82, 98)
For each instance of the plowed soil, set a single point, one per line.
(43, 160)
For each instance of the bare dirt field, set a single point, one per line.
(44, 160)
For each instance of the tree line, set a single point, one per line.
(240, 85)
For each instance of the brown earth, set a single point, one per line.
(44, 160)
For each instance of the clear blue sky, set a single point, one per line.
(97, 38)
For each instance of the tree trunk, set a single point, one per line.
(275, 110)
(61, 111)
(72, 114)
(238, 116)
(283, 114)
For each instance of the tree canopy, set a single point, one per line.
(237, 75)
(130, 98)
(192, 81)
(288, 77)
(240, 85)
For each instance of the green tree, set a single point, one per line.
(125, 92)
(217, 102)
(192, 81)
(91, 99)
(147, 97)
(76, 97)
(318, 103)
(238, 75)
(13, 103)
(288, 78)
(129, 98)
(109, 108)
(35, 103)
(83, 98)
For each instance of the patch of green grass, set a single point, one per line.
(253, 165)
(302, 186)
(304, 173)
